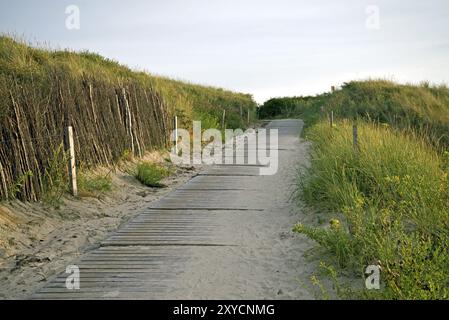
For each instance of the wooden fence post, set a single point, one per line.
(70, 147)
(175, 134)
(331, 118)
(224, 118)
(129, 119)
(355, 137)
(3, 185)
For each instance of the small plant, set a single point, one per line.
(126, 156)
(151, 174)
(56, 177)
(94, 185)
(19, 184)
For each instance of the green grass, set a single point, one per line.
(423, 108)
(190, 101)
(390, 200)
(93, 185)
(206, 104)
(151, 174)
(55, 178)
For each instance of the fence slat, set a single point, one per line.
(175, 134)
(70, 147)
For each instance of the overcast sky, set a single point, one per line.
(266, 48)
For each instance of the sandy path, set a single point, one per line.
(37, 241)
(266, 261)
(226, 234)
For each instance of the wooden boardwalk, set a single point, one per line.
(164, 251)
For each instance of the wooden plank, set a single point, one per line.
(124, 275)
(165, 243)
(111, 281)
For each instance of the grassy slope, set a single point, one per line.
(423, 108)
(394, 204)
(390, 199)
(189, 101)
(44, 88)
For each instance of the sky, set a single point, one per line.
(265, 48)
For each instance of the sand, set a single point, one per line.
(38, 240)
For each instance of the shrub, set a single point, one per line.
(151, 174)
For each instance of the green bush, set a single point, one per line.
(283, 107)
(151, 174)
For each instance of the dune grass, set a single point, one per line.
(390, 200)
(421, 107)
(188, 100)
(111, 108)
(93, 185)
(151, 174)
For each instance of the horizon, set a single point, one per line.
(265, 49)
(338, 86)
